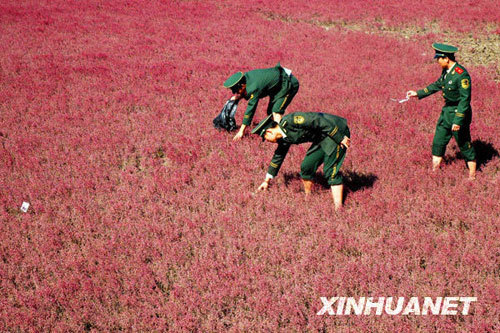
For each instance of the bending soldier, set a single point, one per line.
(277, 82)
(330, 139)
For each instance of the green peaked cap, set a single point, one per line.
(266, 123)
(233, 79)
(443, 50)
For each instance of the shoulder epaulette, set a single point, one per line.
(459, 70)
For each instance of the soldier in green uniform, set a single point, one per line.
(330, 139)
(456, 115)
(277, 82)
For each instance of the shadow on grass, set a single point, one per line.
(353, 181)
(357, 181)
(485, 152)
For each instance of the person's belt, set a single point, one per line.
(451, 103)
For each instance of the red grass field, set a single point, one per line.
(142, 216)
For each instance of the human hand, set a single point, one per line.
(277, 117)
(238, 136)
(411, 93)
(346, 142)
(455, 128)
(263, 186)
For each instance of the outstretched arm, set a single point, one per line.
(430, 89)
(275, 165)
(253, 101)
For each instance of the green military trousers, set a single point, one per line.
(444, 133)
(331, 164)
(289, 88)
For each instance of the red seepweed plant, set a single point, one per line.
(142, 216)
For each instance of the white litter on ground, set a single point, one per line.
(25, 206)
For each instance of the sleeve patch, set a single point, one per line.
(459, 70)
(298, 120)
(465, 83)
(426, 90)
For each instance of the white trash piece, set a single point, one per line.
(406, 99)
(25, 206)
(400, 100)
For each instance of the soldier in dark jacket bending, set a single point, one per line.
(330, 139)
(276, 82)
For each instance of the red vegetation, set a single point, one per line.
(142, 215)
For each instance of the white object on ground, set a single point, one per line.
(25, 206)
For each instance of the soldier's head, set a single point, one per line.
(445, 54)
(446, 61)
(237, 83)
(268, 129)
(273, 134)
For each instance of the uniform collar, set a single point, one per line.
(449, 70)
(281, 131)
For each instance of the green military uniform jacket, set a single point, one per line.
(456, 88)
(323, 129)
(262, 83)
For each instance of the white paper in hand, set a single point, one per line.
(406, 99)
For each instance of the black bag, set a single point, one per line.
(225, 119)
